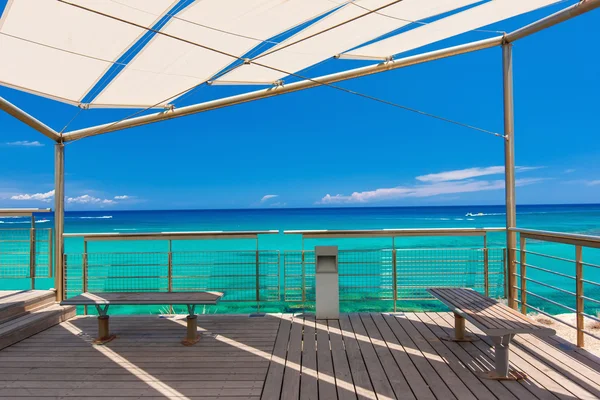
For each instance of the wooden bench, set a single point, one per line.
(496, 320)
(103, 300)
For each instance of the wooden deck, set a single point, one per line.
(364, 356)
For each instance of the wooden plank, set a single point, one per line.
(417, 384)
(135, 298)
(309, 388)
(473, 384)
(291, 377)
(419, 359)
(394, 374)
(561, 362)
(360, 375)
(274, 379)
(376, 372)
(343, 376)
(536, 374)
(479, 357)
(458, 388)
(496, 388)
(325, 375)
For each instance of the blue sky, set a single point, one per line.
(323, 147)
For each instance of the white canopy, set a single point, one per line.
(473, 18)
(61, 51)
(167, 66)
(312, 50)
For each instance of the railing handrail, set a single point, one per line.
(362, 233)
(22, 212)
(559, 237)
(170, 235)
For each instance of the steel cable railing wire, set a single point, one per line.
(316, 81)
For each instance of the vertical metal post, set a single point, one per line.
(59, 219)
(170, 267)
(170, 273)
(523, 272)
(257, 278)
(505, 273)
(32, 253)
(50, 232)
(84, 273)
(486, 266)
(509, 170)
(303, 276)
(394, 273)
(579, 293)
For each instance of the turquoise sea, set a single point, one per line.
(582, 219)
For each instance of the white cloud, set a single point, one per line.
(45, 197)
(123, 197)
(434, 189)
(569, 171)
(87, 199)
(268, 197)
(25, 143)
(593, 183)
(468, 173)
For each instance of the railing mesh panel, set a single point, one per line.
(369, 274)
(241, 275)
(15, 253)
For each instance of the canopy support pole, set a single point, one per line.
(509, 172)
(283, 89)
(27, 119)
(59, 219)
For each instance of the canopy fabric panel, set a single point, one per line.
(325, 45)
(167, 67)
(60, 51)
(474, 18)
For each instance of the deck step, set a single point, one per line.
(34, 322)
(15, 304)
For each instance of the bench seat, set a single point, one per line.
(102, 301)
(496, 320)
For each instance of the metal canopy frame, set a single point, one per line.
(504, 41)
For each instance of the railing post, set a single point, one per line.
(486, 267)
(506, 280)
(84, 273)
(170, 273)
(523, 262)
(64, 276)
(170, 268)
(303, 280)
(50, 253)
(579, 293)
(32, 253)
(257, 280)
(509, 170)
(395, 276)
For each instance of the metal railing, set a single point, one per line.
(244, 276)
(398, 274)
(26, 253)
(552, 282)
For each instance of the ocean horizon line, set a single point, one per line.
(275, 209)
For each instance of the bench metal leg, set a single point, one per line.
(460, 334)
(104, 335)
(502, 352)
(192, 336)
